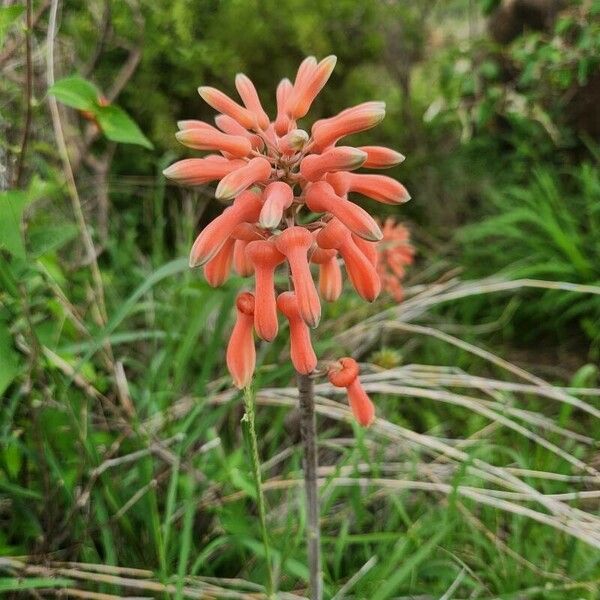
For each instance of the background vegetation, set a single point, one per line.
(123, 470)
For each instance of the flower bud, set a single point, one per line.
(250, 98)
(256, 170)
(224, 104)
(346, 375)
(345, 158)
(241, 353)
(301, 350)
(326, 132)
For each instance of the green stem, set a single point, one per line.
(248, 425)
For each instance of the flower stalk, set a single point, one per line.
(308, 431)
(249, 429)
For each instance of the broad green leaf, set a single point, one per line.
(9, 359)
(118, 126)
(44, 239)
(8, 16)
(76, 92)
(12, 205)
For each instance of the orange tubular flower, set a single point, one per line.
(216, 270)
(282, 121)
(265, 258)
(361, 272)
(326, 132)
(379, 187)
(330, 274)
(224, 104)
(205, 139)
(294, 243)
(243, 234)
(228, 125)
(276, 175)
(320, 197)
(369, 249)
(250, 98)
(379, 157)
(394, 255)
(346, 376)
(241, 354)
(242, 265)
(343, 158)
(306, 90)
(245, 209)
(278, 196)
(256, 171)
(301, 350)
(198, 171)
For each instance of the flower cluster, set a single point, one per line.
(395, 253)
(290, 209)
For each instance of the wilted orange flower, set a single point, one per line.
(274, 171)
(395, 252)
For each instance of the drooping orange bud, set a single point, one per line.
(326, 132)
(362, 273)
(293, 141)
(216, 270)
(301, 350)
(205, 139)
(320, 197)
(228, 125)
(308, 85)
(369, 249)
(265, 258)
(379, 187)
(379, 157)
(278, 196)
(330, 274)
(250, 98)
(294, 243)
(245, 209)
(249, 232)
(283, 121)
(241, 264)
(224, 104)
(197, 171)
(256, 170)
(243, 234)
(345, 158)
(347, 376)
(241, 353)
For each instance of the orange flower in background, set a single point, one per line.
(275, 172)
(394, 254)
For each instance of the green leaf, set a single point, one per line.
(8, 15)
(9, 359)
(118, 126)
(12, 205)
(76, 92)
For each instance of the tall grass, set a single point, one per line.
(548, 229)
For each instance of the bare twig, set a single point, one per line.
(28, 94)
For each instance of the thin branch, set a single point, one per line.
(28, 94)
